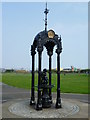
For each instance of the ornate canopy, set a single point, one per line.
(48, 39)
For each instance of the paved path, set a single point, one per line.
(10, 93)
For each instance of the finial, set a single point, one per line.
(60, 38)
(46, 12)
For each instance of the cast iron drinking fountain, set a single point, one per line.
(47, 39)
(44, 86)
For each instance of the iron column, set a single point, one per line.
(39, 100)
(58, 101)
(32, 101)
(50, 78)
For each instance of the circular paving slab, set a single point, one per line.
(23, 109)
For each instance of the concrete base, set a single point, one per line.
(23, 109)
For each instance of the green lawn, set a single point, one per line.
(70, 83)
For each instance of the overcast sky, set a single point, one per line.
(22, 22)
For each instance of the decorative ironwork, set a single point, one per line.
(44, 85)
(46, 12)
(47, 39)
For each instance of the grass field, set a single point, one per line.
(70, 83)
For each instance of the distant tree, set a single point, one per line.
(9, 70)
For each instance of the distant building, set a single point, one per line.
(61, 69)
(66, 70)
(74, 69)
(21, 71)
(2, 70)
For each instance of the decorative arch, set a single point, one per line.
(43, 39)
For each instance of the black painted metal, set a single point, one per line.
(50, 95)
(44, 95)
(32, 101)
(46, 12)
(39, 100)
(58, 51)
(58, 101)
